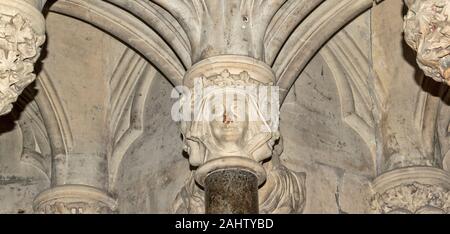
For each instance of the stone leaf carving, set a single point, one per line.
(427, 30)
(58, 207)
(74, 199)
(19, 49)
(412, 198)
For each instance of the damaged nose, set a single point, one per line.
(227, 119)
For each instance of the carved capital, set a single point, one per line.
(417, 190)
(412, 198)
(22, 32)
(74, 199)
(427, 30)
(232, 114)
(245, 135)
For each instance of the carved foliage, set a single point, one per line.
(58, 207)
(412, 198)
(427, 30)
(74, 199)
(19, 49)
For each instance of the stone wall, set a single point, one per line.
(99, 114)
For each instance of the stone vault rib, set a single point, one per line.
(163, 23)
(310, 36)
(127, 28)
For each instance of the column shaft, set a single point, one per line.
(231, 191)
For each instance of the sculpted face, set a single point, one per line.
(230, 125)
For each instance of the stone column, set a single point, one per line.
(231, 191)
(229, 131)
(230, 153)
(415, 183)
(76, 196)
(22, 32)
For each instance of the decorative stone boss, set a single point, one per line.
(229, 122)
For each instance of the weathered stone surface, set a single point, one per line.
(405, 128)
(20, 181)
(95, 133)
(83, 111)
(146, 182)
(354, 193)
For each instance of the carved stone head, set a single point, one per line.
(233, 109)
(229, 122)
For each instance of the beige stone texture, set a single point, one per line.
(87, 123)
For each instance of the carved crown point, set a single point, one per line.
(225, 73)
(230, 69)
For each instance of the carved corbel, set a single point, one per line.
(234, 125)
(226, 126)
(427, 30)
(22, 32)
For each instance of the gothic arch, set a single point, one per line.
(350, 69)
(310, 36)
(36, 144)
(129, 85)
(130, 30)
(284, 22)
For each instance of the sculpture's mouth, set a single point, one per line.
(230, 131)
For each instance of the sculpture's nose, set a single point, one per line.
(227, 118)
